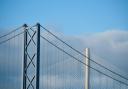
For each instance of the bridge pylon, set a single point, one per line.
(31, 59)
(87, 68)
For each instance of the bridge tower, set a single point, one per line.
(87, 69)
(31, 59)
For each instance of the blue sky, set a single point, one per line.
(106, 21)
(68, 16)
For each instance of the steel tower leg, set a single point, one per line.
(38, 57)
(25, 57)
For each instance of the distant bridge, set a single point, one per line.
(32, 57)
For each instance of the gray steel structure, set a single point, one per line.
(28, 79)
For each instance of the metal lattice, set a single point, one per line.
(31, 57)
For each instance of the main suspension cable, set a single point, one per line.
(11, 38)
(83, 54)
(83, 62)
(11, 32)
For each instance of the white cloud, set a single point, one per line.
(108, 48)
(56, 81)
(111, 46)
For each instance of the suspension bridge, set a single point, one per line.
(32, 57)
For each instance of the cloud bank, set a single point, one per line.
(109, 48)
